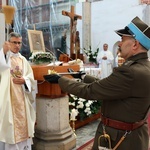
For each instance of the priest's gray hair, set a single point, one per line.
(13, 34)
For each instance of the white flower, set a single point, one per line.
(74, 97)
(87, 104)
(82, 100)
(88, 111)
(37, 56)
(72, 104)
(81, 105)
(74, 113)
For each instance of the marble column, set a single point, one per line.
(53, 131)
(3, 2)
(86, 15)
(86, 25)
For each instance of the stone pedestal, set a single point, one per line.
(53, 131)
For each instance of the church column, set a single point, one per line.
(4, 2)
(147, 15)
(86, 25)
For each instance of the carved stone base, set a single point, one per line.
(53, 131)
(64, 144)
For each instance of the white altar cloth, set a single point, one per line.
(96, 72)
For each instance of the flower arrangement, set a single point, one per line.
(84, 108)
(41, 57)
(90, 54)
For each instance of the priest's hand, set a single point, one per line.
(18, 80)
(77, 75)
(52, 78)
(6, 47)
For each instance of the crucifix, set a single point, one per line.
(73, 23)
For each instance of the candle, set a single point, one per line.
(49, 71)
(74, 113)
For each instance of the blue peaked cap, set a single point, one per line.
(139, 30)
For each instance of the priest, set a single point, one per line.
(105, 60)
(17, 115)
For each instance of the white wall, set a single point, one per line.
(110, 15)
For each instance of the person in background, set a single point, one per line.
(17, 115)
(105, 60)
(125, 94)
(63, 42)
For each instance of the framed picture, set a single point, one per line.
(36, 41)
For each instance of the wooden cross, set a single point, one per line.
(73, 22)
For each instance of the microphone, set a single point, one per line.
(64, 53)
(54, 56)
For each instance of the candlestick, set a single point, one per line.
(73, 127)
(73, 115)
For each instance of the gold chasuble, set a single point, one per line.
(18, 102)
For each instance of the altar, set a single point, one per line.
(52, 130)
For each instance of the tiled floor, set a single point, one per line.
(86, 133)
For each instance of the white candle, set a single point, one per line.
(49, 71)
(73, 114)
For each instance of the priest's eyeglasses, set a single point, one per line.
(14, 42)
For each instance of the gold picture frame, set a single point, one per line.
(36, 41)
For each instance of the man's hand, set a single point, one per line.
(76, 75)
(104, 58)
(52, 78)
(18, 80)
(6, 47)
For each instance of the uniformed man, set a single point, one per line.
(125, 94)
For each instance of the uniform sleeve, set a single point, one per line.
(117, 85)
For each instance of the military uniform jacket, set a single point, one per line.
(125, 96)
